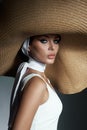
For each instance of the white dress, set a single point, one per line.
(47, 115)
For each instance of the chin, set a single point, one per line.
(50, 62)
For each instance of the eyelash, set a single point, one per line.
(45, 41)
(56, 41)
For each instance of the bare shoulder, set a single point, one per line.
(36, 82)
(35, 86)
(32, 97)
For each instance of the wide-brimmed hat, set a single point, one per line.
(36, 17)
(47, 16)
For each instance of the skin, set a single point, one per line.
(69, 72)
(35, 92)
(45, 50)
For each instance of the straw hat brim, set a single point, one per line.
(47, 16)
(26, 17)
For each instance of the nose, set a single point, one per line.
(51, 45)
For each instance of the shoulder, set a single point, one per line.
(37, 80)
(34, 90)
(35, 85)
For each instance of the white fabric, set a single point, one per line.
(33, 64)
(25, 47)
(47, 115)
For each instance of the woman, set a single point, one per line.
(35, 104)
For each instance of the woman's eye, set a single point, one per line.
(56, 41)
(43, 40)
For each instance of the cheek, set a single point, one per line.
(57, 48)
(38, 52)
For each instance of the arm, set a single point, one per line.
(32, 97)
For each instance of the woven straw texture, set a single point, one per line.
(22, 18)
(41, 16)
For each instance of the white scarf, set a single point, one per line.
(32, 63)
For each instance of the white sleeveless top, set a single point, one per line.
(47, 115)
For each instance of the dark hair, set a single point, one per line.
(31, 39)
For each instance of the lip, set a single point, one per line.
(51, 56)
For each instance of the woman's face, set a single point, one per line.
(44, 48)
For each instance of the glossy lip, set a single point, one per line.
(51, 56)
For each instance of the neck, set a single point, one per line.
(33, 64)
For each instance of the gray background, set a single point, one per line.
(6, 84)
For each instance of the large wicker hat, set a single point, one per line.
(34, 17)
(47, 16)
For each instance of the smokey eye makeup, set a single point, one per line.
(57, 39)
(43, 40)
